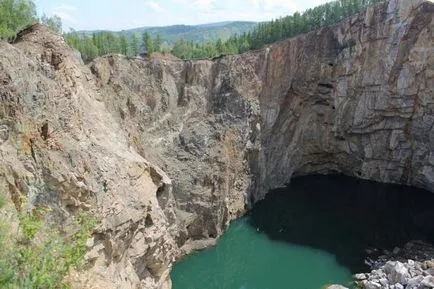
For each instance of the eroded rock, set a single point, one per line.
(4, 134)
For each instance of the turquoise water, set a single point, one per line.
(317, 231)
(247, 259)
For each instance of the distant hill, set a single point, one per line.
(196, 33)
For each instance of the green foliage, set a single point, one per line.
(17, 14)
(36, 257)
(134, 45)
(275, 30)
(182, 49)
(157, 43)
(30, 224)
(74, 253)
(14, 16)
(102, 43)
(158, 39)
(148, 44)
(263, 33)
(2, 201)
(54, 23)
(124, 46)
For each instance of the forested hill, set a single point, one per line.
(186, 42)
(101, 43)
(194, 33)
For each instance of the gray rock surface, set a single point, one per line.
(371, 284)
(167, 152)
(395, 274)
(428, 281)
(395, 269)
(360, 276)
(335, 286)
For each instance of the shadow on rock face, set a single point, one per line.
(347, 217)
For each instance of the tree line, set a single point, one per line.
(275, 30)
(264, 33)
(105, 42)
(16, 15)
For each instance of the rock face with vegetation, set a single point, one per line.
(61, 149)
(165, 153)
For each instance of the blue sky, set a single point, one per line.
(125, 14)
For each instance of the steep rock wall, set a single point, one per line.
(192, 119)
(60, 148)
(356, 98)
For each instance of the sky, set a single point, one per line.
(125, 14)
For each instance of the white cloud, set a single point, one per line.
(280, 4)
(204, 4)
(66, 7)
(197, 5)
(207, 11)
(274, 5)
(155, 6)
(65, 12)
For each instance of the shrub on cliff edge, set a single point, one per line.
(33, 256)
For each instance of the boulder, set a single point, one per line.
(428, 264)
(428, 281)
(360, 277)
(371, 285)
(415, 282)
(397, 272)
(335, 286)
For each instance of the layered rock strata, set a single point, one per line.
(167, 152)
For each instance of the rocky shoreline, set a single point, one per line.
(410, 267)
(397, 275)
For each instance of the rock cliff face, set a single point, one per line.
(361, 106)
(167, 152)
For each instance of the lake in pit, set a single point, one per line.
(316, 231)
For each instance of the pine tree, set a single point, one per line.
(88, 49)
(219, 47)
(147, 42)
(134, 45)
(123, 43)
(157, 43)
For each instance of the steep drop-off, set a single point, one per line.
(166, 152)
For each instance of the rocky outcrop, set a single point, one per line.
(397, 275)
(408, 267)
(60, 148)
(355, 98)
(166, 152)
